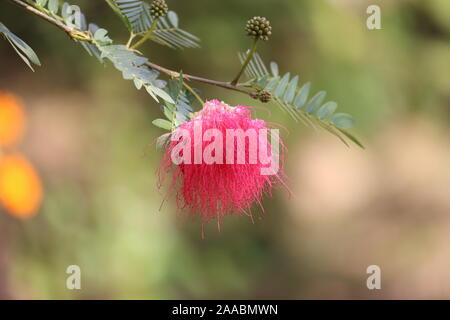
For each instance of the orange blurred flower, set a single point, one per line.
(20, 186)
(12, 119)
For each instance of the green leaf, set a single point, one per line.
(272, 84)
(256, 69)
(334, 131)
(173, 18)
(315, 102)
(137, 14)
(138, 83)
(327, 110)
(274, 68)
(164, 95)
(302, 95)
(26, 49)
(259, 65)
(115, 8)
(168, 112)
(151, 93)
(263, 82)
(352, 138)
(101, 36)
(175, 87)
(282, 85)
(21, 55)
(53, 6)
(169, 34)
(183, 101)
(41, 2)
(290, 92)
(163, 124)
(343, 121)
(22, 49)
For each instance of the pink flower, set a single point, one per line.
(212, 174)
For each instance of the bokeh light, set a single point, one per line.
(20, 186)
(12, 119)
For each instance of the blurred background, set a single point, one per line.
(87, 151)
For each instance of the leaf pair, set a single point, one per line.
(22, 49)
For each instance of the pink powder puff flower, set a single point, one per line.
(228, 185)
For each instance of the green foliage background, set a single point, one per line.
(89, 132)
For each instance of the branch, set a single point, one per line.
(246, 62)
(189, 77)
(75, 34)
(42, 15)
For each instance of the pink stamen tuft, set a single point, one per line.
(215, 190)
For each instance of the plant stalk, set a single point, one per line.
(147, 35)
(189, 88)
(247, 61)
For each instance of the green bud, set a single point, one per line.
(159, 8)
(259, 28)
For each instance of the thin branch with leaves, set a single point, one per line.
(155, 22)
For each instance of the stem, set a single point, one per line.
(132, 36)
(247, 61)
(202, 103)
(44, 16)
(189, 77)
(147, 35)
(75, 34)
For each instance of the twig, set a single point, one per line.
(200, 100)
(246, 62)
(42, 15)
(78, 35)
(189, 77)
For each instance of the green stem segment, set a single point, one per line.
(130, 40)
(247, 61)
(189, 88)
(147, 35)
